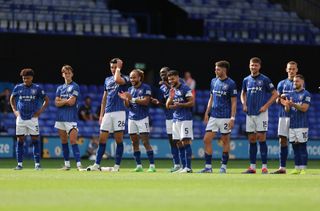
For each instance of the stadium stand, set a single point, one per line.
(253, 21)
(256, 21)
(67, 17)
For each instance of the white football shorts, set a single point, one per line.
(299, 135)
(169, 123)
(257, 123)
(218, 124)
(27, 127)
(113, 121)
(66, 126)
(283, 126)
(138, 126)
(182, 130)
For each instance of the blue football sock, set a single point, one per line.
(188, 155)
(264, 152)
(253, 153)
(297, 160)
(100, 152)
(76, 152)
(150, 156)
(19, 151)
(36, 151)
(119, 153)
(182, 155)
(137, 157)
(303, 154)
(225, 158)
(175, 154)
(65, 151)
(283, 156)
(208, 158)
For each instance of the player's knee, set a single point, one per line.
(207, 141)
(283, 141)
(186, 141)
(179, 143)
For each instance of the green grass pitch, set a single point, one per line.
(51, 189)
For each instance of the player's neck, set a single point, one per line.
(137, 85)
(254, 75)
(68, 81)
(223, 77)
(177, 85)
(27, 85)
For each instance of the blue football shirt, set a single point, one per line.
(68, 113)
(165, 90)
(222, 91)
(299, 119)
(28, 99)
(257, 91)
(137, 111)
(284, 87)
(181, 94)
(114, 102)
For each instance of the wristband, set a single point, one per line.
(133, 100)
(232, 118)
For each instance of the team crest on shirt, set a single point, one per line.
(259, 82)
(225, 87)
(33, 91)
(69, 89)
(300, 97)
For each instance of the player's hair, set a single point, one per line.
(255, 60)
(27, 72)
(299, 76)
(65, 68)
(140, 73)
(165, 69)
(223, 63)
(173, 73)
(293, 63)
(114, 61)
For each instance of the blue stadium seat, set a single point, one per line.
(11, 131)
(93, 88)
(47, 131)
(9, 122)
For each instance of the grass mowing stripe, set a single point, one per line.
(52, 189)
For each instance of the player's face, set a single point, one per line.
(67, 75)
(292, 70)
(163, 75)
(27, 80)
(254, 68)
(113, 68)
(297, 83)
(220, 71)
(134, 78)
(173, 80)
